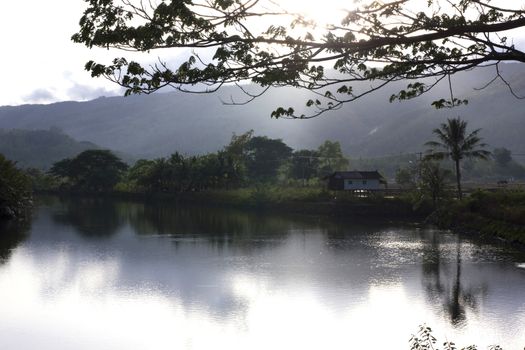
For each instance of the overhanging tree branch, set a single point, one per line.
(378, 42)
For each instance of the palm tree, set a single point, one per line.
(456, 145)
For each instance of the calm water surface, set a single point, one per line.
(99, 274)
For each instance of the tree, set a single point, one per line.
(258, 41)
(15, 190)
(456, 145)
(331, 158)
(264, 157)
(304, 164)
(179, 173)
(406, 177)
(92, 170)
(139, 176)
(235, 154)
(433, 181)
(502, 156)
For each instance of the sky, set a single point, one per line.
(40, 63)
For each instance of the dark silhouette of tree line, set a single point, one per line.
(246, 160)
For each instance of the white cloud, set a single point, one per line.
(87, 92)
(40, 96)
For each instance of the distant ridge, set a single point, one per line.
(159, 124)
(40, 148)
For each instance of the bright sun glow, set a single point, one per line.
(322, 13)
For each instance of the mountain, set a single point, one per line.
(40, 148)
(159, 124)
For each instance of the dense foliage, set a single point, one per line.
(247, 160)
(433, 181)
(260, 41)
(92, 170)
(264, 157)
(499, 214)
(180, 174)
(15, 190)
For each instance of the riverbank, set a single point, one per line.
(296, 200)
(488, 214)
(499, 215)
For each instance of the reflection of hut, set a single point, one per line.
(356, 181)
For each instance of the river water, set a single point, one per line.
(105, 274)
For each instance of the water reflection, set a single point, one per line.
(444, 283)
(91, 217)
(12, 233)
(155, 276)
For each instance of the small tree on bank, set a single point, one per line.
(455, 144)
(433, 181)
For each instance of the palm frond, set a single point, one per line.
(436, 156)
(435, 144)
(481, 154)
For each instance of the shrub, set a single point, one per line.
(15, 190)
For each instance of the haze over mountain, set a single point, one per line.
(160, 124)
(40, 148)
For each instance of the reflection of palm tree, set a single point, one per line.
(455, 298)
(431, 265)
(456, 145)
(455, 308)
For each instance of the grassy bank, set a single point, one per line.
(487, 214)
(490, 214)
(500, 214)
(302, 200)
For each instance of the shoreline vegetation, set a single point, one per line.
(97, 173)
(293, 200)
(489, 215)
(256, 172)
(15, 191)
(486, 214)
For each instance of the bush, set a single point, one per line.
(15, 190)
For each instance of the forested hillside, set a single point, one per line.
(159, 124)
(39, 148)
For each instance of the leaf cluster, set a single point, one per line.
(378, 42)
(15, 189)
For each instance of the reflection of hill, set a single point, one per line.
(11, 235)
